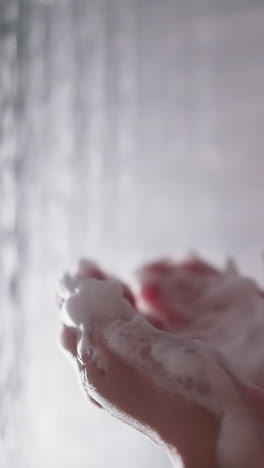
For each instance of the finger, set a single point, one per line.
(169, 289)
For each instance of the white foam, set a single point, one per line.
(95, 301)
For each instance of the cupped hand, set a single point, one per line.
(168, 380)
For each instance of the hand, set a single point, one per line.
(133, 386)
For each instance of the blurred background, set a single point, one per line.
(129, 129)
